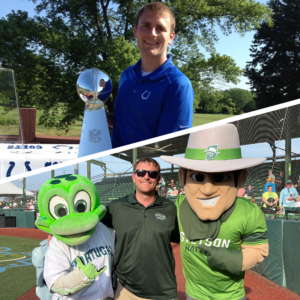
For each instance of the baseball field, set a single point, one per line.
(17, 274)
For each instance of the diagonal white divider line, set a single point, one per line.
(153, 140)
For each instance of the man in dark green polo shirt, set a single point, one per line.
(145, 226)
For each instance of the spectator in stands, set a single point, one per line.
(28, 207)
(31, 206)
(163, 192)
(280, 181)
(253, 200)
(241, 192)
(135, 218)
(2, 214)
(175, 192)
(293, 184)
(271, 177)
(15, 204)
(182, 192)
(288, 196)
(249, 192)
(6, 206)
(169, 192)
(162, 182)
(269, 198)
(171, 184)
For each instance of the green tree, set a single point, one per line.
(215, 103)
(274, 71)
(48, 52)
(240, 98)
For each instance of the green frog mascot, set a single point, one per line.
(78, 261)
(221, 235)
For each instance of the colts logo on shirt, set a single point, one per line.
(146, 95)
(160, 216)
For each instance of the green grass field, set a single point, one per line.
(75, 130)
(200, 119)
(15, 281)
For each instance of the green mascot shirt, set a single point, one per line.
(244, 223)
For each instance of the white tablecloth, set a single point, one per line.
(17, 158)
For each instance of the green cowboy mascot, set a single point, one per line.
(221, 235)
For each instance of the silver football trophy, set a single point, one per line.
(94, 87)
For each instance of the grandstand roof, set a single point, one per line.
(171, 146)
(9, 189)
(269, 127)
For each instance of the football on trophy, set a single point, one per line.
(94, 87)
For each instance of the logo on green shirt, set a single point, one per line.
(211, 152)
(160, 216)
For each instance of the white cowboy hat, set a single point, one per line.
(214, 150)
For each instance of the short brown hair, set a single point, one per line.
(148, 160)
(159, 9)
(253, 200)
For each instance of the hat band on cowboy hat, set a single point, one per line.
(213, 150)
(222, 154)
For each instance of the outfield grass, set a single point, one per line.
(18, 280)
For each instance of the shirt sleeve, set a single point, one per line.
(57, 262)
(295, 192)
(107, 219)
(175, 233)
(255, 232)
(177, 111)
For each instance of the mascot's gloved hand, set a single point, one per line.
(223, 259)
(89, 270)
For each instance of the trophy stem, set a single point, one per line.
(94, 134)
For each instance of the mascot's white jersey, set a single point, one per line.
(99, 249)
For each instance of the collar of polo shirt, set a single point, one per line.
(132, 199)
(165, 68)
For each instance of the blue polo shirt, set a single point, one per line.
(285, 193)
(152, 105)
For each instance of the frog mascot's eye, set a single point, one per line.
(82, 202)
(58, 207)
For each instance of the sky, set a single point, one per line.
(233, 45)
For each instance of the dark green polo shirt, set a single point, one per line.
(143, 254)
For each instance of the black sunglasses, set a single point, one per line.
(142, 173)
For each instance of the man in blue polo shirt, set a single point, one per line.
(154, 97)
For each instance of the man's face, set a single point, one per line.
(288, 185)
(270, 172)
(281, 174)
(210, 194)
(270, 189)
(145, 185)
(102, 83)
(249, 186)
(153, 34)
